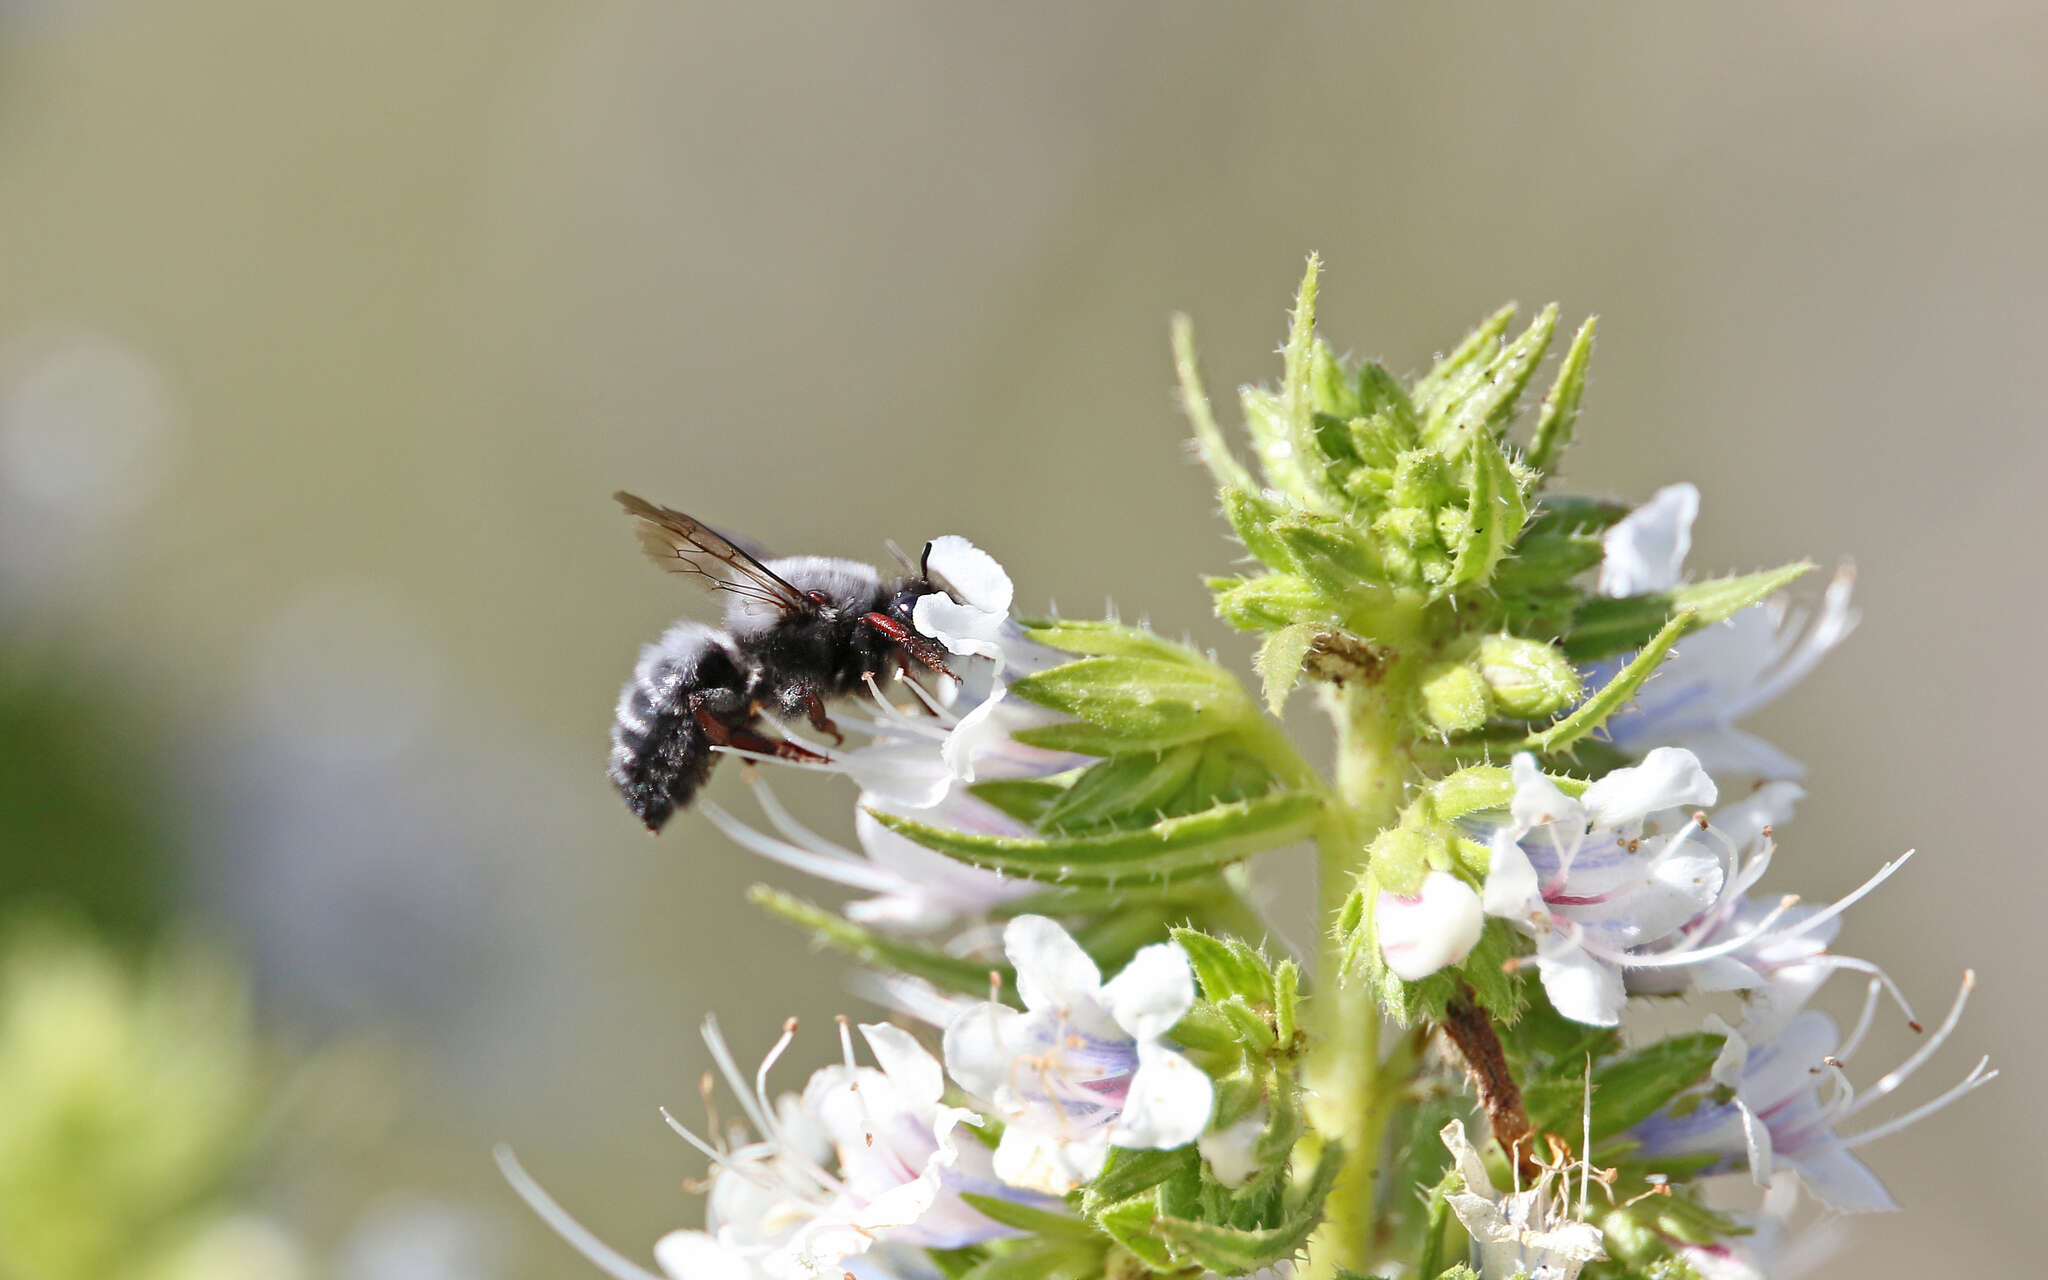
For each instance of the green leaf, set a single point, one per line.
(1142, 782)
(1280, 658)
(1040, 1258)
(1112, 639)
(1268, 601)
(1129, 703)
(1545, 561)
(1226, 967)
(1286, 1002)
(1604, 625)
(1494, 513)
(1171, 849)
(1030, 1218)
(1025, 799)
(1237, 1251)
(1616, 693)
(1479, 346)
(1210, 445)
(1485, 403)
(1289, 443)
(1626, 1090)
(1561, 407)
(968, 977)
(1563, 513)
(1127, 1173)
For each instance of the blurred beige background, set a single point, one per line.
(328, 329)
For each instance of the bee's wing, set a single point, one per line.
(680, 544)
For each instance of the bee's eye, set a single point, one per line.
(906, 601)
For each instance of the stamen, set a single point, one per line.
(1667, 959)
(781, 819)
(1863, 1021)
(1977, 1079)
(842, 867)
(573, 1233)
(1898, 1075)
(1820, 918)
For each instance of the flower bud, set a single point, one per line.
(1528, 678)
(1433, 928)
(1455, 698)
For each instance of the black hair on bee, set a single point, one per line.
(798, 633)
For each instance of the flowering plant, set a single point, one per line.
(1544, 818)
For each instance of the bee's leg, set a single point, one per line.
(722, 732)
(926, 653)
(803, 697)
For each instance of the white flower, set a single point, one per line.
(1085, 1066)
(1233, 1150)
(1776, 1114)
(920, 761)
(1770, 1251)
(1530, 1234)
(1722, 674)
(1774, 952)
(866, 1157)
(1590, 881)
(1437, 925)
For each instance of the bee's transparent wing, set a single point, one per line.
(680, 544)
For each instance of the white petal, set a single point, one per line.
(1169, 1101)
(1437, 927)
(1155, 990)
(1840, 1180)
(909, 1065)
(1468, 1160)
(1537, 801)
(1646, 550)
(1770, 805)
(1037, 1159)
(1511, 891)
(1053, 972)
(962, 628)
(1668, 778)
(981, 1045)
(695, 1255)
(971, 573)
(1582, 988)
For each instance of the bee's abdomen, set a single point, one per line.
(660, 753)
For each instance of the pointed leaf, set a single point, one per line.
(1269, 601)
(1604, 626)
(1279, 661)
(1210, 445)
(1170, 850)
(1626, 1090)
(1474, 352)
(1616, 693)
(1141, 703)
(1030, 1218)
(969, 977)
(1226, 967)
(1561, 407)
(1487, 403)
(1231, 1251)
(1495, 512)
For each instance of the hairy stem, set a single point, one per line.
(1471, 1029)
(1346, 1102)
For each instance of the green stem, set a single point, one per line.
(1346, 1104)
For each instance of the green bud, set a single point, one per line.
(1528, 678)
(1401, 856)
(1422, 478)
(1455, 698)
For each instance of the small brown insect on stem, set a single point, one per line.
(1469, 1028)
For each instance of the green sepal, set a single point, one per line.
(1125, 703)
(1626, 1090)
(1604, 626)
(1459, 1272)
(1233, 1251)
(1547, 561)
(1174, 848)
(1107, 638)
(1045, 1223)
(1560, 410)
(1269, 601)
(969, 977)
(1041, 1258)
(1210, 445)
(1128, 1173)
(1252, 517)
(1025, 799)
(1481, 402)
(1433, 389)
(1279, 661)
(1562, 513)
(1226, 967)
(1495, 510)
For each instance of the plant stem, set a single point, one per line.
(1346, 1102)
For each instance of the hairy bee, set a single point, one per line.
(798, 633)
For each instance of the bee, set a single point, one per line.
(798, 633)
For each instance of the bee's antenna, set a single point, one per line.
(924, 563)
